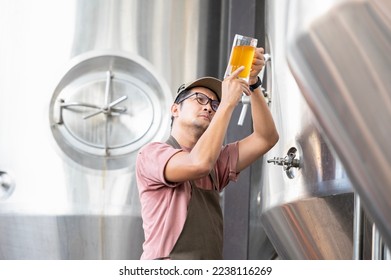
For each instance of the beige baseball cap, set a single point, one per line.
(211, 83)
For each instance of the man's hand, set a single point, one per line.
(233, 87)
(257, 65)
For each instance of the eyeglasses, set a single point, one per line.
(203, 100)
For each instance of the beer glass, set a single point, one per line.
(242, 54)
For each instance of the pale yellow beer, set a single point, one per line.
(242, 54)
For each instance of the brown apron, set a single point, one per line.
(202, 234)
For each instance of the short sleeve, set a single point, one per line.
(150, 164)
(226, 164)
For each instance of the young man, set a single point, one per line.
(179, 181)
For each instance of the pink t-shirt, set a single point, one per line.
(164, 204)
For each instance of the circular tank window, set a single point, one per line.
(106, 107)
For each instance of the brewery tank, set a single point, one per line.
(84, 84)
(340, 58)
(306, 198)
(333, 202)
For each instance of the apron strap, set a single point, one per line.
(173, 142)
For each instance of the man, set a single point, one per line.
(179, 181)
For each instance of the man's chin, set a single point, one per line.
(202, 126)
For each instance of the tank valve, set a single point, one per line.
(287, 162)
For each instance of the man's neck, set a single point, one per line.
(185, 138)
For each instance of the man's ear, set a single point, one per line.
(175, 110)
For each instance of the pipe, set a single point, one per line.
(358, 229)
(376, 244)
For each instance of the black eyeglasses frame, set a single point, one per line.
(214, 104)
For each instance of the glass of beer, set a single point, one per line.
(242, 54)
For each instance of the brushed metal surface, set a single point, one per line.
(297, 206)
(340, 58)
(317, 228)
(56, 202)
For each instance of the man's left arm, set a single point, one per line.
(264, 135)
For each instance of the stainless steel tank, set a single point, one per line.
(306, 197)
(83, 85)
(340, 57)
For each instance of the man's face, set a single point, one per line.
(192, 113)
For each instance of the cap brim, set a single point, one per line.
(208, 82)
